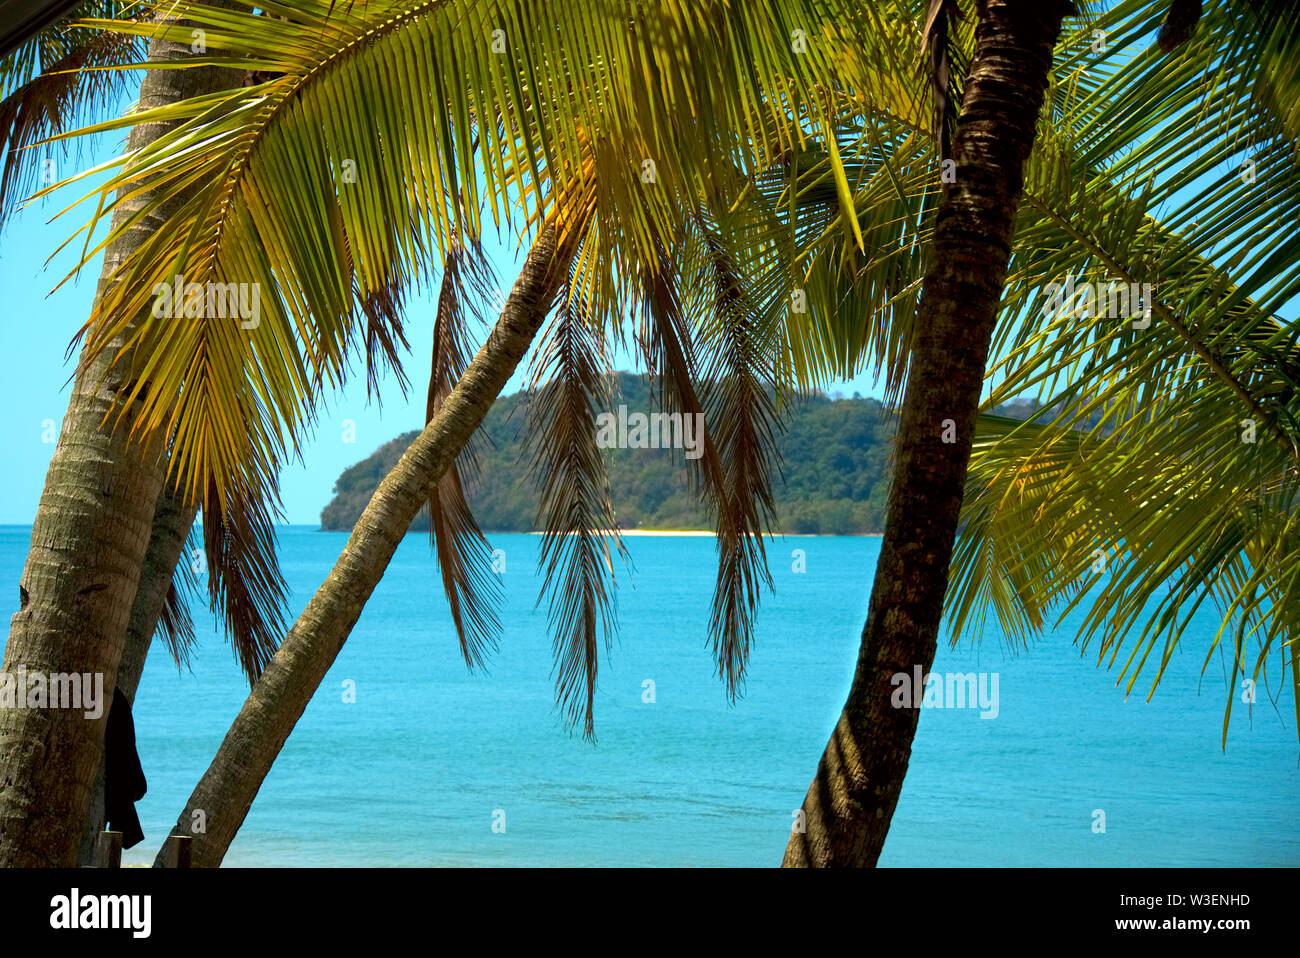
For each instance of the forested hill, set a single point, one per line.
(831, 478)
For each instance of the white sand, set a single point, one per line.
(680, 533)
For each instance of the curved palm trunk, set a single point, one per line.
(226, 792)
(850, 803)
(171, 526)
(89, 538)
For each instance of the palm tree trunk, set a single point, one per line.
(850, 803)
(171, 526)
(89, 538)
(226, 792)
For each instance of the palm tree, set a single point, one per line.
(733, 473)
(63, 74)
(635, 226)
(48, 83)
(1167, 457)
(211, 794)
(159, 607)
(1133, 389)
(735, 468)
(229, 404)
(98, 506)
(226, 791)
(851, 801)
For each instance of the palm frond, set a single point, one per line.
(245, 587)
(175, 624)
(380, 133)
(580, 533)
(1139, 527)
(737, 342)
(462, 550)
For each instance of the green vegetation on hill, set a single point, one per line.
(831, 478)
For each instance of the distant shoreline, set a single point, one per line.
(636, 533)
(705, 532)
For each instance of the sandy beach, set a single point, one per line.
(705, 532)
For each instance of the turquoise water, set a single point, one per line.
(413, 771)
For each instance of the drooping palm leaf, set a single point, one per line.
(245, 587)
(569, 386)
(462, 550)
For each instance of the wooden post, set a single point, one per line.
(108, 850)
(178, 851)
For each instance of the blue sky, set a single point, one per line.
(37, 326)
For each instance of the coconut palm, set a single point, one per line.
(851, 801)
(882, 278)
(229, 402)
(735, 468)
(635, 223)
(1169, 454)
(208, 794)
(48, 85)
(1088, 208)
(98, 502)
(51, 83)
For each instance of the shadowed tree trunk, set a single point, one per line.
(89, 539)
(850, 803)
(225, 793)
(171, 526)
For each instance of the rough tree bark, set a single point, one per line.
(171, 525)
(851, 801)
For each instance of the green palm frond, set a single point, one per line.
(1206, 321)
(1139, 528)
(383, 132)
(1194, 121)
(851, 310)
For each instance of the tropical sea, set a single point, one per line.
(417, 769)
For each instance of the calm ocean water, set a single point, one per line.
(413, 771)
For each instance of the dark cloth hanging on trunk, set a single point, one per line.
(124, 783)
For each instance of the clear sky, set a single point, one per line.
(37, 326)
